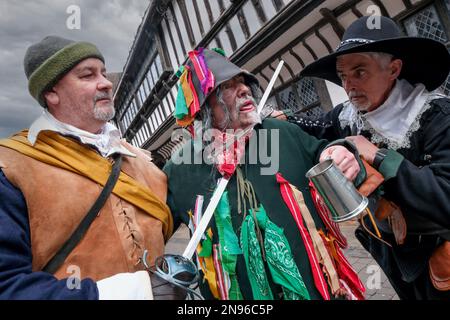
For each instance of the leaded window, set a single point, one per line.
(307, 92)
(301, 95)
(428, 24)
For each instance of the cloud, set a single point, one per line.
(110, 24)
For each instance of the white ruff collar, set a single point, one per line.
(396, 119)
(107, 142)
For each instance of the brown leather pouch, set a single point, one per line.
(439, 267)
(389, 210)
(385, 209)
(373, 180)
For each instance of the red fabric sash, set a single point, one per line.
(219, 274)
(193, 55)
(325, 215)
(195, 105)
(345, 271)
(288, 197)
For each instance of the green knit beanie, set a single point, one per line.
(46, 62)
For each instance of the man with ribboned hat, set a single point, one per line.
(265, 240)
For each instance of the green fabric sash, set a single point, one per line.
(229, 245)
(181, 109)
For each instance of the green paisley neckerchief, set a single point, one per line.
(279, 258)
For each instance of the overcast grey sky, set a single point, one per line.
(110, 24)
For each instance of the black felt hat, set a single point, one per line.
(424, 60)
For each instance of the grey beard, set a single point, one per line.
(104, 114)
(206, 114)
(362, 107)
(256, 96)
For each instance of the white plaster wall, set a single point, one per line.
(337, 93)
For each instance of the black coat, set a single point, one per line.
(421, 188)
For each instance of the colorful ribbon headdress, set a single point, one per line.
(188, 103)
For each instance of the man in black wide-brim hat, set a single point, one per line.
(402, 129)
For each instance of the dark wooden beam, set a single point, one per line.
(296, 56)
(243, 23)
(407, 4)
(324, 41)
(310, 50)
(211, 22)
(177, 28)
(209, 11)
(259, 11)
(278, 4)
(162, 46)
(221, 6)
(288, 16)
(280, 76)
(220, 23)
(228, 30)
(187, 22)
(356, 12)
(383, 9)
(289, 69)
(264, 76)
(332, 20)
(199, 19)
(172, 42)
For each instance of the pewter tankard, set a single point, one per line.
(338, 193)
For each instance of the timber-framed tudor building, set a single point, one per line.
(255, 34)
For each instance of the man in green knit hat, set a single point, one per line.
(266, 240)
(55, 243)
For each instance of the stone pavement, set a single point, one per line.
(377, 285)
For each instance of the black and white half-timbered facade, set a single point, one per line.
(256, 35)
